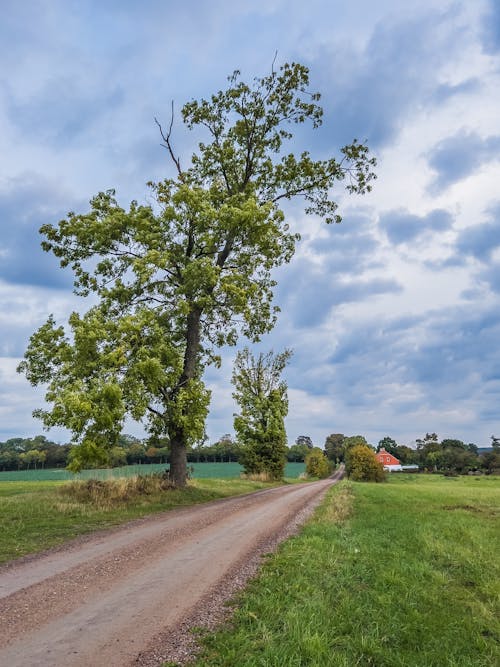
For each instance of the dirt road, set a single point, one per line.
(127, 597)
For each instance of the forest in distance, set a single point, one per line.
(430, 454)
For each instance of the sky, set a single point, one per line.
(393, 315)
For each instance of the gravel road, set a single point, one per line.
(129, 596)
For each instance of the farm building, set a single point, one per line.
(389, 461)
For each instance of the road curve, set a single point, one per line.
(105, 600)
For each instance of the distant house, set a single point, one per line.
(390, 462)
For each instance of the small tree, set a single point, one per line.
(117, 457)
(317, 465)
(262, 396)
(362, 465)
(490, 461)
(304, 440)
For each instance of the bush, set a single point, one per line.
(362, 465)
(317, 465)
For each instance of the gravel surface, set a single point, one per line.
(130, 596)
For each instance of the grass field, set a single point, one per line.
(37, 515)
(200, 471)
(403, 574)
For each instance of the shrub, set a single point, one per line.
(362, 465)
(317, 465)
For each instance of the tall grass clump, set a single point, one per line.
(111, 492)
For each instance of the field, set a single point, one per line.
(388, 575)
(200, 471)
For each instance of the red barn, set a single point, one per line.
(389, 461)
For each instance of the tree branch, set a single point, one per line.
(168, 145)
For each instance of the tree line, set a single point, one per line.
(430, 454)
(39, 452)
(448, 456)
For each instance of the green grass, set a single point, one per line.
(200, 471)
(386, 575)
(36, 515)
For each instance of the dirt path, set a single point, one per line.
(128, 597)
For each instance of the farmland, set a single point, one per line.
(399, 574)
(199, 471)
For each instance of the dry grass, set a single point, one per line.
(257, 477)
(113, 492)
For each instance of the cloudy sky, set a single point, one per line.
(394, 315)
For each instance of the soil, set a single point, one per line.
(130, 596)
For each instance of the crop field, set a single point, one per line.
(199, 471)
(402, 574)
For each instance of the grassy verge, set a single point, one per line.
(37, 515)
(399, 574)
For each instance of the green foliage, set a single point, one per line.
(176, 279)
(352, 441)
(450, 456)
(334, 447)
(406, 455)
(262, 397)
(297, 452)
(304, 440)
(317, 464)
(389, 444)
(362, 465)
(490, 461)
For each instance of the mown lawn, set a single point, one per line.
(399, 574)
(36, 515)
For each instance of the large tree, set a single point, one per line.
(389, 444)
(175, 279)
(261, 394)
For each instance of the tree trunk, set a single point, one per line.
(178, 440)
(178, 460)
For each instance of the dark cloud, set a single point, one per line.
(449, 356)
(459, 350)
(369, 94)
(309, 292)
(16, 328)
(26, 206)
(481, 240)
(490, 33)
(446, 91)
(63, 111)
(456, 157)
(491, 276)
(402, 226)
